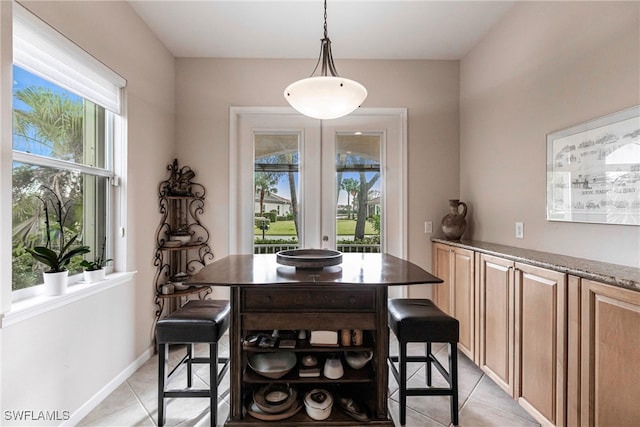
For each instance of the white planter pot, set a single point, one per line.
(94, 275)
(55, 283)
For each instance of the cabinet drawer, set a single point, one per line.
(318, 300)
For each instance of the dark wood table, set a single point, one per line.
(267, 296)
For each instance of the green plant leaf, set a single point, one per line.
(45, 256)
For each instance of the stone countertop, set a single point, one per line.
(613, 274)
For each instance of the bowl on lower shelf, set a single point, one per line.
(273, 365)
(275, 398)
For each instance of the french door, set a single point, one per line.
(318, 177)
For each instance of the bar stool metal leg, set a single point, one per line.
(403, 380)
(190, 353)
(163, 360)
(213, 382)
(427, 354)
(453, 381)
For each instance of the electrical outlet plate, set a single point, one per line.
(428, 227)
(519, 230)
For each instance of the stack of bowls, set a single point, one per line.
(274, 402)
(275, 398)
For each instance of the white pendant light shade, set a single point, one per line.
(325, 97)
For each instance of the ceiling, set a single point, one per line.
(358, 29)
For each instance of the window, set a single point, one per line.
(65, 108)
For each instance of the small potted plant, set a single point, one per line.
(93, 270)
(56, 256)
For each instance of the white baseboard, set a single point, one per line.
(95, 400)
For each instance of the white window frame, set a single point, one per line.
(11, 310)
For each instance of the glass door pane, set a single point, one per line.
(359, 190)
(276, 191)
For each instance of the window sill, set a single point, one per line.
(32, 307)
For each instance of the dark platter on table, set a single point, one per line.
(311, 259)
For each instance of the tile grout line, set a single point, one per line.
(144, 408)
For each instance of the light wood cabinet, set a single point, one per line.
(442, 268)
(540, 342)
(496, 319)
(610, 356)
(456, 295)
(565, 347)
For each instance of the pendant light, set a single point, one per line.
(327, 96)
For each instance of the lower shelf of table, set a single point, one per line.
(301, 419)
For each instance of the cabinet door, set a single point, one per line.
(496, 319)
(610, 386)
(442, 269)
(463, 298)
(540, 349)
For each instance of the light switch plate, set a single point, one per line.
(428, 227)
(519, 230)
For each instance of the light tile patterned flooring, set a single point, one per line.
(481, 402)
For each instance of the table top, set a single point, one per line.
(356, 269)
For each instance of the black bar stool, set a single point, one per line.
(198, 321)
(420, 320)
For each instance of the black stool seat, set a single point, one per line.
(420, 320)
(198, 321)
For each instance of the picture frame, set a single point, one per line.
(593, 171)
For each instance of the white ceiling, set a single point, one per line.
(358, 29)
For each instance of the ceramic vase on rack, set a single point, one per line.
(454, 223)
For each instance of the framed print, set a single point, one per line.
(593, 171)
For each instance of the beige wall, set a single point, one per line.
(206, 88)
(546, 66)
(61, 359)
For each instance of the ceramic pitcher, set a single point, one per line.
(454, 224)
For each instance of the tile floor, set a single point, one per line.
(481, 402)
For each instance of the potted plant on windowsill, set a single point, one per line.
(94, 270)
(56, 257)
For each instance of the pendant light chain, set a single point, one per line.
(326, 57)
(325, 19)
